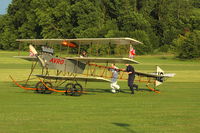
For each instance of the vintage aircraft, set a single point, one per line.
(75, 69)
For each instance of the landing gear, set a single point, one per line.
(152, 89)
(73, 89)
(42, 89)
(69, 89)
(78, 89)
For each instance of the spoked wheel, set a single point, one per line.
(69, 89)
(78, 89)
(40, 88)
(73, 89)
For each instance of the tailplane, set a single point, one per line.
(160, 72)
(162, 76)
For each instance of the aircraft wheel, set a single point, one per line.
(78, 89)
(69, 89)
(47, 91)
(40, 88)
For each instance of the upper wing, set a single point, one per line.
(104, 60)
(79, 78)
(82, 41)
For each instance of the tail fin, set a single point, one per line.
(159, 72)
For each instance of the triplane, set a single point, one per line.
(60, 74)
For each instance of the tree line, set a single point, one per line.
(162, 25)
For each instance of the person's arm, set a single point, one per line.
(129, 69)
(130, 72)
(125, 70)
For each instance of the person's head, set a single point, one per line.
(84, 53)
(113, 65)
(126, 64)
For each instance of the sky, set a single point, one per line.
(4, 5)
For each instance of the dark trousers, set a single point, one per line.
(130, 82)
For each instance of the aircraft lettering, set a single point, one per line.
(56, 61)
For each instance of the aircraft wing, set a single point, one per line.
(89, 59)
(82, 41)
(78, 78)
(28, 58)
(104, 60)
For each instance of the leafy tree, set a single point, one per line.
(160, 24)
(111, 8)
(189, 46)
(141, 35)
(54, 18)
(87, 18)
(196, 3)
(194, 19)
(7, 33)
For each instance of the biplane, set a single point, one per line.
(69, 71)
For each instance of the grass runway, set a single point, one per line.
(174, 110)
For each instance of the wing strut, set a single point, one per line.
(32, 69)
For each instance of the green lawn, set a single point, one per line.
(174, 110)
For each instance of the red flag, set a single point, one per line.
(131, 52)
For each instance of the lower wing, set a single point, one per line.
(75, 78)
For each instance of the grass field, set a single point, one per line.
(175, 110)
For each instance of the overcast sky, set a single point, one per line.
(4, 5)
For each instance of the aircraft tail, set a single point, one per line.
(160, 72)
(162, 76)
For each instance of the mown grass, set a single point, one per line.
(175, 110)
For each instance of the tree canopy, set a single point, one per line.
(162, 25)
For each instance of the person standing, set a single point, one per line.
(83, 54)
(131, 76)
(115, 87)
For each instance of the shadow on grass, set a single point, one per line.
(125, 126)
(88, 91)
(144, 89)
(98, 90)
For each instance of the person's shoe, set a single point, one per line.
(113, 91)
(132, 93)
(117, 91)
(137, 88)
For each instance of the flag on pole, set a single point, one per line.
(131, 52)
